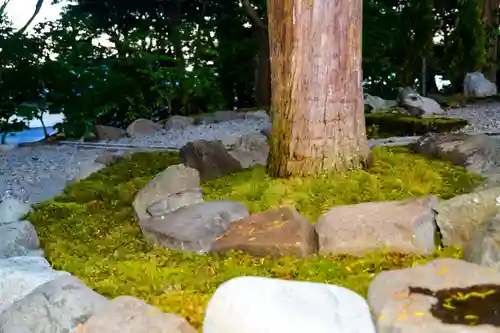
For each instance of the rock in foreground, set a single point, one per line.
(425, 298)
(256, 304)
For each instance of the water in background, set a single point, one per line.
(35, 132)
(29, 135)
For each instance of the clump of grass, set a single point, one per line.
(90, 230)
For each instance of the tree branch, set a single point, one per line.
(252, 15)
(38, 7)
(4, 5)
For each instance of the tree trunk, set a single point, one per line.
(317, 98)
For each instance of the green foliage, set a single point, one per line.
(190, 57)
(465, 47)
(91, 232)
(388, 125)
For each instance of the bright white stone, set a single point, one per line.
(264, 305)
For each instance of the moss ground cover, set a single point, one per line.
(90, 230)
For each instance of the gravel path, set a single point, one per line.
(484, 117)
(34, 174)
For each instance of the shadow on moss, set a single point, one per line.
(90, 230)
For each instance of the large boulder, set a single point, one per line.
(404, 93)
(19, 276)
(142, 127)
(210, 158)
(193, 228)
(406, 226)
(258, 114)
(459, 217)
(484, 245)
(176, 122)
(257, 304)
(377, 104)
(250, 150)
(477, 86)
(275, 232)
(61, 305)
(420, 106)
(221, 116)
(17, 239)
(126, 314)
(13, 209)
(109, 133)
(173, 188)
(445, 296)
(475, 152)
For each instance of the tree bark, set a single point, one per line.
(317, 98)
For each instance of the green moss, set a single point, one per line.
(90, 230)
(388, 125)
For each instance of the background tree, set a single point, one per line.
(317, 102)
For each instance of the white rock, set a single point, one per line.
(21, 275)
(12, 209)
(262, 305)
(476, 85)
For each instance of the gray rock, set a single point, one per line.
(250, 150)
(266, 131)
(17, 239)
(378, 104)
(143, 127)
(259, 114)
(167, 185)
(58, 306)
(405, 226)
(474, 152)
(178, 122)
(109, 133)
(484, 246)
(19, 276)
(459, 217)
(477, 86)
(221, 116)
(252, 304)
(193, 228)
(404, 93)
(175, 201)
(205, 119)
(12, 209)
(420, 106)
(126, 314)
(210, 158)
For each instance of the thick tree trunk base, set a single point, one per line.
(317, 96)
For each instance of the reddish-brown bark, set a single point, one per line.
(317, 99)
